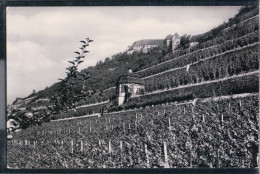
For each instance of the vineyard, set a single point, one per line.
(200, 108)
(227, 86)
(234, 51)
(211, 132)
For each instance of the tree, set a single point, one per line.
(69, 91)
(184, 41)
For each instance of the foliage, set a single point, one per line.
(219, 132)
(69, 92)
(184, 42)
(26, 119)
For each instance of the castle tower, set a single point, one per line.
(175, 41)
(168, 40)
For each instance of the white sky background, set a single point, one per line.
(40, 40)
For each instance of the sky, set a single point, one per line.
(41, 40)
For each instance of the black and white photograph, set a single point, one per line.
(120, 87)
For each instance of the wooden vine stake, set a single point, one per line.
(169, 122)
(109, 147)
(121, 146)
(193, 111)
(146, 155)
(165, 155)
(71, 143)
(81, 146)
(191, 153)
(124, 126)
(218, 157)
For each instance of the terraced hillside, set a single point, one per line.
(200, 109)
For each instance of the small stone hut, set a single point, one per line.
(129, 85)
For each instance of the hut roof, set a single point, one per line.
(131, 78)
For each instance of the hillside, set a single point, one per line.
(200, 108)
(219, 56)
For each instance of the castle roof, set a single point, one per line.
(148, 42)
(195, 38)
(131, 78)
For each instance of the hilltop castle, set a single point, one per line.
(144, 45)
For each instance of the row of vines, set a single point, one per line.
(82, 111)
(216, 132)
(243, 83)
(225, 65)
(107, 94)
